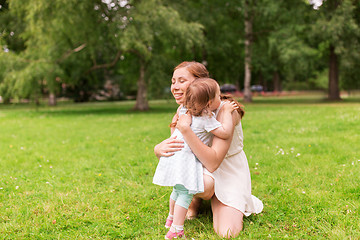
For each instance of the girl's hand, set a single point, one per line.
(167, 147)
(184, 122)
(230, 106)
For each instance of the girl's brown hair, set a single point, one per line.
(198, 94)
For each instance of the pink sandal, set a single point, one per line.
(168, 222)
(171, 235)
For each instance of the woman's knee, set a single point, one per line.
(228, 221)
(229, 231)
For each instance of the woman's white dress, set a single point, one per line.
(232, 178)
(183, 167)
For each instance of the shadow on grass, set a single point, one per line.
(156, 107)
(107, 111)
(103, 108)
(93, 108)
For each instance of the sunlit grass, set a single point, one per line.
(85, 171)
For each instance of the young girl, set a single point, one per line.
(182, 170)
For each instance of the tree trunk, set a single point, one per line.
(6, 100)
(276, 81)
(37, 101)
(248, 36)
(334, 92)
(263, 82)
(141, 97)
(52, 99)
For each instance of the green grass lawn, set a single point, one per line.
(84, 171)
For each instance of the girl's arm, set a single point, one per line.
(210, 157)
(226, 129)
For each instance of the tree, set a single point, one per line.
(281, 54)
(152, 28)
(337, 32)
(248, 19)
(76, 43)
(275, 47)
(52, 33)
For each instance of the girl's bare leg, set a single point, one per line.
(179, 215)
(228, 221)
(171, 206)
(206, 195)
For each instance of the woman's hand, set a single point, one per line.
(184, 122)
(167, 147)
(230, 106)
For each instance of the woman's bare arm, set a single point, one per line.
(210, 157)
(168, 147)
(171, 145)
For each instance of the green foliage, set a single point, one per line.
(49, 35)
(337, 24)
(81, 44)
(77, 40)
(280, 43)
(320, 81)
(222, 48)
(85, 171)
(152, 23)
(153, 32)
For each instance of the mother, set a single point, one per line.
(226, 174)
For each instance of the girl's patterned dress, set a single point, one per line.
(183, 167)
